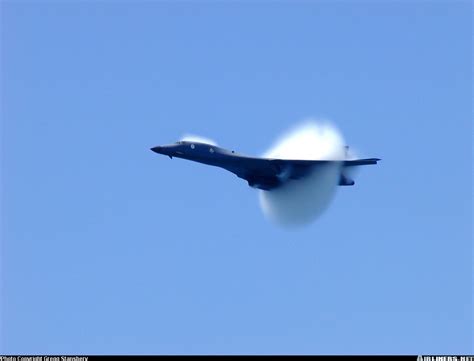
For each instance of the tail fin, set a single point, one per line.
(345, 181)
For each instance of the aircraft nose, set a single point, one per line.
(156, 149)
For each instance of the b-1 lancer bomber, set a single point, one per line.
(262, 173)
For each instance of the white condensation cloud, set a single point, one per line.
(198, 139)
(309, 140)
(301, 201)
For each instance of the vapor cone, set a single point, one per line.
(301, 201)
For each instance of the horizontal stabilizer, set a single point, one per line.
(350, 163)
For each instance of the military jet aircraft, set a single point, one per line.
(262, 173)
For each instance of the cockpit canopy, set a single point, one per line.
(199, 146)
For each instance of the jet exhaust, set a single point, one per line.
(301, 201)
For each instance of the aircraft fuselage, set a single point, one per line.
(262, 173)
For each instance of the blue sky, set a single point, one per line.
(110, 248)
